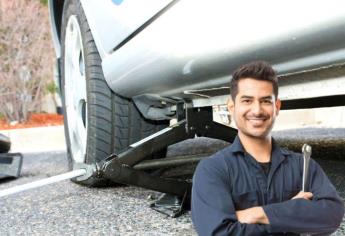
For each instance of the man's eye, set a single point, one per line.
(246, 101)
(267, 101)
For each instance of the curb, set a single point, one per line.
(39, 139)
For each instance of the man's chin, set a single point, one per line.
(259, 134)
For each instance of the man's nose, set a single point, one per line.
(256, 108)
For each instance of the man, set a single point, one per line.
(253, 186)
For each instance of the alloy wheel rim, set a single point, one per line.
(75, 90)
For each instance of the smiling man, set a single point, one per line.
(253, 186)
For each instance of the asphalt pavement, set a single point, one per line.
(66, 208)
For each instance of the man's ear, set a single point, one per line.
(278, 104)
(231, 105)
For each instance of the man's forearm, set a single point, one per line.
(253, 215)
(257, 215)
(318, 216)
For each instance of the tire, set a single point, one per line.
(97, 121)
(5, 144)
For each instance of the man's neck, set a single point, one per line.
(259, 148)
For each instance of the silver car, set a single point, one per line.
(125, 65)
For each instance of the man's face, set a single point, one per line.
(255, 108)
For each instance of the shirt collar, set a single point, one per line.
(237, 146)
(278, 155)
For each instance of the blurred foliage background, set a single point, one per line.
(26, 57)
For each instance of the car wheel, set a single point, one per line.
(5, 144)
(97, 121)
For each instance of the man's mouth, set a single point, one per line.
(256, 120)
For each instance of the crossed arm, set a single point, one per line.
(257, 215)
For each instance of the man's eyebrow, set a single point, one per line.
(269, 97)
(266, 97)
(246, 96)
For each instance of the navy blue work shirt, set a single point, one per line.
(232, 180)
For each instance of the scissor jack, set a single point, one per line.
(134, 166)
(129, 167)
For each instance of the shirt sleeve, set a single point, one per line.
(321, 215)
(213, 211)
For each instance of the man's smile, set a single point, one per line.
(256, 120)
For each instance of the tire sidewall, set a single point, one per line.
(113, 121)
(73, 8)
(69, 10)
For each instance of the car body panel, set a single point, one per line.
(111, 22)
(181, 51)
(191, 46)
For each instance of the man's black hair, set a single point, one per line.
(259, 70)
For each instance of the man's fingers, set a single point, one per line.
(305, 195)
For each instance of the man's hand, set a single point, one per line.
(253, 215)
(305, 195)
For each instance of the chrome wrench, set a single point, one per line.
(306, 149)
